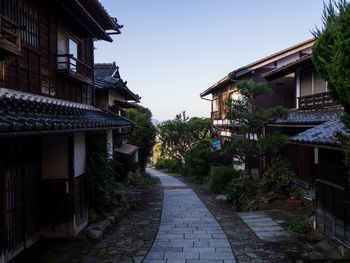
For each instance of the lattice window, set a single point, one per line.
(27, 17)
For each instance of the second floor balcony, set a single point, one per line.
(10, 37)
(315, 101)
(74, 68)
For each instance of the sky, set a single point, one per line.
(170, 51)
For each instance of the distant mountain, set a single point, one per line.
(155, 122)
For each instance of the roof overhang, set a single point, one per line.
(29, 114)
(127, 149)
(224, 81)
(239, 73)
(288, 68)
(86, 18)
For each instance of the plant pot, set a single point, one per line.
(294, 203)
(306, 202)
(266, 199)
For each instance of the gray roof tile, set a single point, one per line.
(310, 116)
(323, 134)
(26, 112)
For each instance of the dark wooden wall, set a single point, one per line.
(35, 70)
(283, 91)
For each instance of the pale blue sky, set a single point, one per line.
(171, 50)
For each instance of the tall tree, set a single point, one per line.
(331, 57)
(179, 134)
(252, 144)
(144, 133)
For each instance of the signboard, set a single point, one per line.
(217, 145)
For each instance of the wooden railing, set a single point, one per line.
(74, 68)
(319, 100)
(10, 35)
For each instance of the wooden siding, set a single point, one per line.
(20, 176)
(35, 70)
(333, 212)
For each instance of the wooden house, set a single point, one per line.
(283, 88)
(313, 149)
(112, 94)
(47, 110)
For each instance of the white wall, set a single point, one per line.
(109, 134)
(114, 95)
(54, 161)
(79, 154)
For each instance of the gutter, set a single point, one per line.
(18, 134)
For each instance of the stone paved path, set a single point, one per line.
(263, 226)
(188, 233)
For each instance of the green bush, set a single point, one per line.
(220, 178)
(277, 178)
(198, 160)
(160, 164)
(173, 165)
(137, 179)
(241, 192)
(102, 176)
(300, 226)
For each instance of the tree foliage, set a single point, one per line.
(178, 135)
(102, 175)
(144, 133)
(331, 58)
(198, 160)
(331, 51)
(249, 120)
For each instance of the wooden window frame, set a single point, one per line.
(30, 33)
(217, 105)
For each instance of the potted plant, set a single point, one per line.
(294, 199)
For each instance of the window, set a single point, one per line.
(25, 16)
(216, 104)
(66, 47)
(311, 83)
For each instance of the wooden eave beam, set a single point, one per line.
(106, 37)
(321, 146)
(106, 16)
(81, 23)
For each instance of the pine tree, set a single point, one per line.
(251, 144)
(331, 57)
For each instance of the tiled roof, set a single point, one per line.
(107, 76)
(22, 112)
(240, 72)
(128, 149)
(104, 70)
(308, 117)
(323, 134)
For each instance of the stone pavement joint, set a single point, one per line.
(188, 233)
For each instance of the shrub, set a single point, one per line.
(198, 160)
(137, 180)
(277, 178)
(160, 164)
(241, 192)
(220, 177)
(173, 166)
(101, 174)
(300, 226)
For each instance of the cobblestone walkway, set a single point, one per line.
(188, 233)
